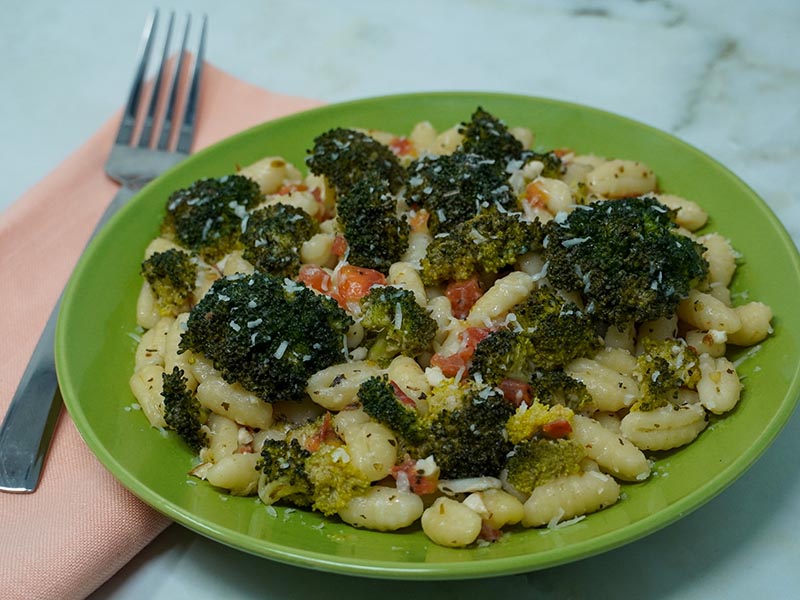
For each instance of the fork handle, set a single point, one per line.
(28, 426)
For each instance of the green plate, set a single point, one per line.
(95, 353)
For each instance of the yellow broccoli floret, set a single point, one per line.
(527, 421)
(663, 369)
(334, 478)
(446, 395)
(540, 460)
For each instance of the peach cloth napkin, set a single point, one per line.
(81, 526)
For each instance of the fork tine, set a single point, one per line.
(125, 133)
(190, 112)
(169, 114)
(155, 94)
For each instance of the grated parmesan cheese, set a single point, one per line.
(281, 349)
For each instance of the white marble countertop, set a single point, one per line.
(723, 76)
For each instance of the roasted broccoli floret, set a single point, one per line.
(559, 331)
(171, 275)
(206, 217)
(662, 369)
(283, 464)
(464, 428)
(502, 354)
(380, 400)
(266, 333)
(470, 439)
(182, 412)
(484, 244)
(272, 238)
(311, 470)
(556, 387)
(346, 157)
(367, 216)
(539, 460)
(489, 136)
(395, 324)
(625, 257)
(548, 332)
(453, 188)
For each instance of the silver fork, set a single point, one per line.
(147, 144)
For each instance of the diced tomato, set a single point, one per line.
(353, 283)
(402, 396)
(323, 212)
(452, 364)
(326, 433)
(535, 196)
(288, 188)
(420, 484)
(462, 295)
(339, 246)
(562, 152)
(472, 336)
(419, 220)
(402, 146)
(489, 533)
(516, 392)
(560, 428)
(244, 449)
(316, 278)
(449, 365)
